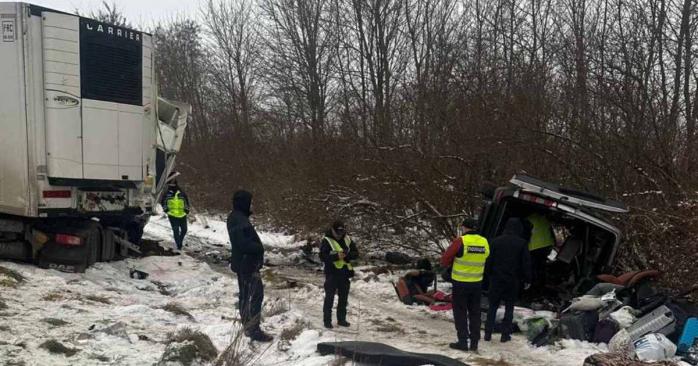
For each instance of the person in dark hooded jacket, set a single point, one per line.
(247, 259)
(508, 265)
(336, 252)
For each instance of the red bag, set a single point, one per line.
(441, 307)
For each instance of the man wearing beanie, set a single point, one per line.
(336, 251)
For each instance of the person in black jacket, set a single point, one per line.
(336, 251)
(247, 259)
(508, 265)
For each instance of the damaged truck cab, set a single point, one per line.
(586, 242)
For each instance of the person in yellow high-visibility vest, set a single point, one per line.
(540, 244)
(337, 251)
(176, 205)
(466, 256)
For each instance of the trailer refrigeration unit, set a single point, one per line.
(85, 144)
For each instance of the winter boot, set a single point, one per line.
(328, 325)
(505, 338)
(488, 336)
(460, 345)
(260, 336)
(343, 323)
(473, 346)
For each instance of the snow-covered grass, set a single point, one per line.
(110, 318)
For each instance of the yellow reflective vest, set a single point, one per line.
(336, 248)
(541, 236)
(470, 267)
(176, 206)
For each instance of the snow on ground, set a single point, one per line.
(105, 295)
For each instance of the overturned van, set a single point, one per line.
(586, 242)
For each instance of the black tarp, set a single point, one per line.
(384, 355)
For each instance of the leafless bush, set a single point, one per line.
(178, 309)
(239, 352)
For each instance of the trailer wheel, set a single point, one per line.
(93, 242)
(108, 245)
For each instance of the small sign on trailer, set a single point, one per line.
(9, 27)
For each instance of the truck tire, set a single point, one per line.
(94, 244)
(108, 246)
(72, 259)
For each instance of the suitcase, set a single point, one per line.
(579, 325)
(689, 335)
(660, 320)
(605, 330)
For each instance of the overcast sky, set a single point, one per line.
(141, 13)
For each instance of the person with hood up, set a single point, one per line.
(247, 259)
(508, 268)
(337, 250)
(176, 205)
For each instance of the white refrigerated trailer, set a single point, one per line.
(86, 144)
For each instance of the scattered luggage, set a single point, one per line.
(654, 347)
(579, 325)
(136, 274)
(689, 336)
(605, 330)
(403, 291)
(585, 303)
(660, 320)
(397, 258)
(444, 306)
(624, 316)
(691, 355)
(621, 343)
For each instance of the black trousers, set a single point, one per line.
(497, 294)
(179, 229)
(466, 310)
(539, 257)
(250, 299)
(336, 285)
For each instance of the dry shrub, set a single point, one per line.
(10, 278)
(178, 309)
(55, 322)
(290, 333)
(238, 352)
(194, 345)
(487, 362)
(56, 347)
(97, 298)
(53, 296)
(278, 307)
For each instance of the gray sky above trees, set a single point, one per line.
(142, 13)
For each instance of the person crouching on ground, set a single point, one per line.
(336, 251)
(247, 259)
(466, 256)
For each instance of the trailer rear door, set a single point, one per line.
(61, 47)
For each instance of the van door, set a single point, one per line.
(565, 195)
